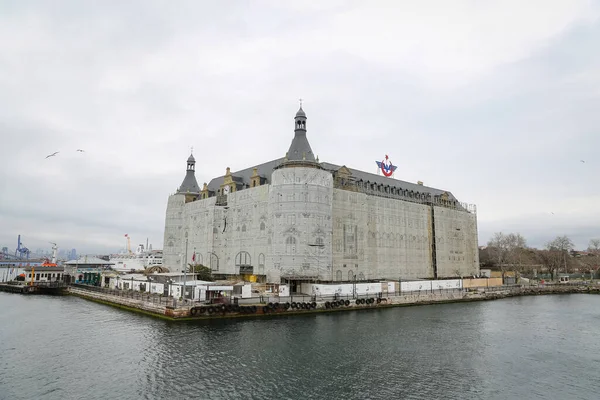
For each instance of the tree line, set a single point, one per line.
(509, 252)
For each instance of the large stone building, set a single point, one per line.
(296, 218)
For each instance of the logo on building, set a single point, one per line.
(386, 166)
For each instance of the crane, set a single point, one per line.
(21, 250)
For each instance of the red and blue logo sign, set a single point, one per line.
(386, 166)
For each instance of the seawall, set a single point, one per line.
(199, 312)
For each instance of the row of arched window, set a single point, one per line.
(351, 276)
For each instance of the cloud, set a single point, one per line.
(493, 101)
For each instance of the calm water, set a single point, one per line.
(524, 348)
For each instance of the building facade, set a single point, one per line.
(297, 219)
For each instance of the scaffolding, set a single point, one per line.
(397, 193)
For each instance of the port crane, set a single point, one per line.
(21, 250)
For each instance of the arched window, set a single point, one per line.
(262, 226)
(242, 259)
(290, 245)
(361, 277)
(338, 275)
(261, 260)
(244, 228)
(213, 261)
(350, 275)
(198, 259)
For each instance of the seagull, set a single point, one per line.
(53, 154)
(81, 151)
(582, 161)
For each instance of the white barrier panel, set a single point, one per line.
(419, 286)
(447, 284)
(415, 286)
(284, 290)
(246, 291)
(344, 289)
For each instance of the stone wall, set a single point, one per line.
(456, 243)
(174, 240)
(380, 238)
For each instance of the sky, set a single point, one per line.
(496, 102)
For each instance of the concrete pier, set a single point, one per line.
(173, 310)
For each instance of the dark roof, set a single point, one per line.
(189, 184)
(300, 113)
(300, 148)
(243, 176)
(267, 168)
(191, 158)
(380, 179)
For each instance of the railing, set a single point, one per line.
(153, 298)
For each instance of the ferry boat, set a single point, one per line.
(141, 259)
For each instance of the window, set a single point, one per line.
(350, 275)
(338, 275)
(290, 245)
(320, 241)
(242, 258)
(244, 228)
(361, 277)
(291, 219)
(262, 226)
(261, 260)
(213, 261)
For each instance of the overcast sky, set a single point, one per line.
(496, 101)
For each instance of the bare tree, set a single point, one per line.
(561, 246)
(498, 251)
(551, 259)
(506, 250)
(517, 246)
(594, 246)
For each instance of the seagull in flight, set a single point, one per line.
(79, 150)
(582, 161)
(53, 154)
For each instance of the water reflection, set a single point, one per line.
(515, 348)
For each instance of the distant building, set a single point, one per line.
(296, 219)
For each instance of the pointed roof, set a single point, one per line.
(189, 184)
(300, 149)
(300, 113)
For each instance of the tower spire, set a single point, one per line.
(300, 148)
(189, 184)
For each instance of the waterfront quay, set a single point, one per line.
(173, 309)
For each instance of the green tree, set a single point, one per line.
(201, 272)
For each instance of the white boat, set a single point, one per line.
(139, 260)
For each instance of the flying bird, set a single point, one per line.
(582, 161)
(53, 154)
(81, 151)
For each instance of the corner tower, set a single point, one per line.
(189, 186)
(300, 200)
